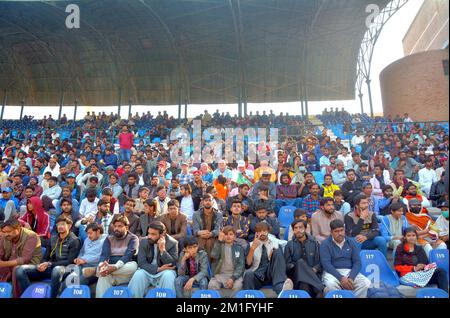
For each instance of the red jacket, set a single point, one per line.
(43, 219)
(126, 140)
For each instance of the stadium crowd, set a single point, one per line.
(129, 215)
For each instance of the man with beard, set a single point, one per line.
(311, 203)
(303, 190)
(352, 187)
(438, 191)
(262, 215)
(18, 246)
(101, 217)
(207, 223)
(264, 183)
(63, 250)
(411, 193)
(198, 188)
(303, 260)
(66, 193)
(287, 193)
(427, 231)
(362, 226)
(341, 263)
(242, 196)
(117, 261)
(132, 218)
(154, 184)
(66, 209)
(157, 259)
(321, 219)
(266, 262)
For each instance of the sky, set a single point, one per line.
(388, 49)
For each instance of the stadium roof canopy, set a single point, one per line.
(162, 52)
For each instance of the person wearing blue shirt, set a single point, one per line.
(324, 161)
(222, 170)
(110, 158)
(341, 263)
(8, 204)
(393, 225)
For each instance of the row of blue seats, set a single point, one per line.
(373, 265)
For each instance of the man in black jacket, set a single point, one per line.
(352, 187)
(439, 192)
(64, 248)
(303, 260)
(157, 258)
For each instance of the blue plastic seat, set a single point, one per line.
(161, 293)
(340, 294)
(294, 294)
(38, 290)
(76, 291)
(286, 215)
(431, 293)
(375, 266)
(202, 293)
(5, 290)
(441, 258)
(247, 293)
(118, 292)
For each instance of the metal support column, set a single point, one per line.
(75, 110)
(129, 107)
(22, 105)
(179, 104)
(61, 103)
(303, 110)
(185, 109)
(5, 98)
(119, 102)
(245, 108)
(369, 91)
(306, 109)
(360, 95)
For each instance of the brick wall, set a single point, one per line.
(416, 84)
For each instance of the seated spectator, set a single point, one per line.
(320, 220)
(266, 262)
(206, 173)
(303, 260)
(339, 204)
(147, 217)
(8, 205)
(228, 261)
(242, 175)
(303, 191)
(411, 193)
(139, 202)
(311, 163)
(66, 194)
(438, 191)
(442, 223)
(341, 263)
(101, 217)
(222, 170)
(198, 187)
(352, 187)
(264, 182)
(175, 222)
(382, 204)
(238, 222)
(161, 200)
(66, 209)
(34, 182)
(367, 190)
(186, 201)
(90, 252)
(287, 193)
(221, 186)
(157, 259)
(18, 246)
(107, 196)
(115, 186)
(362, 226)
(379, 180)
(338, 175)
(262, 215)
(37, 220)
(61, 252)
(192, 268)
(89, 204)
(427, 176)
(206, 224)
(133, 219)
(264, 167)
(117, 263)
(185, 177)
(299, 214)
(311, 203)
(412, 265)
(363, 173)
(393, 225)
(328, 188)
(247, 202)
(427, 231)
(263, 199)
(131, 189)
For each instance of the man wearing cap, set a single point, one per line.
(8, 204)
(222, 170)
(184, 177)
(163, 173)
(243, 175)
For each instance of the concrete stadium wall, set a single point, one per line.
(416, 84)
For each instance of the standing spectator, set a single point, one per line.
(341, 263)
(126, 142)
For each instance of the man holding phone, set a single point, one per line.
(157, 258)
